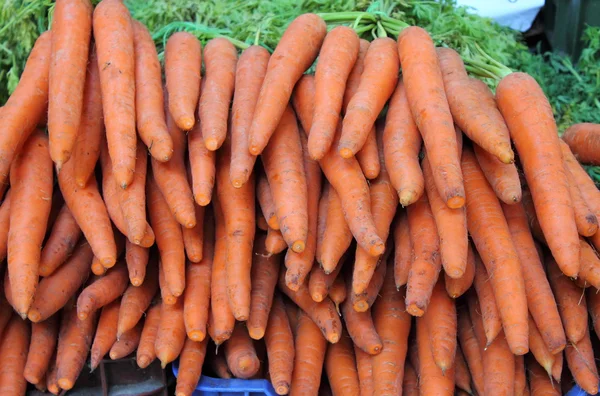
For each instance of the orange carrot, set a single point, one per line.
(364, 366)
(410, 385)
(137, 299)
(44, 336)
(337, 293)
(368, 156)
(61, 242)
(295, 52)
(126, 343)
(146, 352)
(336, 233)
(492, 324)
(432, 379)
(241, 354)
(593, 304)
(261, 223)
(584, 141)
(457, 287)
(322, 221)
(4, 225)
(462, 376)
(6, 312)
(320, 282)
(136, 258)
(471, 350)
(504, 178)
(539, 349)
(442, 324)
(429, 107)
(310, 354)
(557, 367)
(589, 274)
(51, 380)
(402, 251)
(13, 351)
(586, 185)
(170, 335)
(303, 100)
(340, 367)
(585, 219)
(361, 329)
(190, 366)
(274, 242)
(362, 301)
(265, 199)
(102, 291)
(193, 237)
(520, 376)
(353, 80)
(280, 347)
(202, 166)
(106, 333)
(581, 362)
(539, 381)
(165, 292)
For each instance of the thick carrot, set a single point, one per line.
(274, 242)
(584, 141)
(249, 75)
(149, 107)
(264, 275)
(377, 83)
(519, 96)
(490, 316)
(539, 349)
(402, 144)
(113, 32)
(582, 364)
(170, 335)
(442, 324)
(280, 347)
(593, 304)
(241, 353)
(27, 105)
(13, 351)
(361, 329)
(183, 60)
(202, 166)
(589, 274)
(362, 301)
(146, 352)
(126, 343)
(337, 58)
(4, 225)
(462, 376)
(364, 366)
(336, 233)
(410, 382)
(310, 354)
(137, 259)
(31, 180)
(103, 291)
(137, 299)
(429, 107)
(320, 282)
(106, 333)
(504, 178)
(296, 51)
(190, 366)
(457, 287)
(489, 230)
(91, 126)
(44, 336)
(540, 300)
(193, 237)
(265, 200)
(471, 350)
(432, 379)
(54, 291)
(303, 100)
(368, 156)
(61, 242)
(539, 381)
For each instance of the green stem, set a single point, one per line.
(363, 29)
(380, 30)
(349, 16)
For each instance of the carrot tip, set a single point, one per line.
(455, 273)
(406, 197)
(202, 200)
(197, 335)
(414, 310)
(317, 297)
(256, 333)
(298, 246)
(346, 152)
(82, 315)
(282, 389)
(360, 306)
(34, 315)
(143, 361)
(211, 144)
(377, 249)
(65, 383)
(333, 338)
(108, 262)
(456, 202)
(237, 183)
(136, 281)
(185, 123)
(254, 150)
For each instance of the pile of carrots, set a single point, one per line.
(246, 200)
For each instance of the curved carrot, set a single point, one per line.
(403, 250)
(146, 352)
(183, 60)
(137, 299)
(428, 103)
(503, 178)
(364, 366)
(44, 336)
(280, 347)
(361, 329)
(170, 335)
(458, 287)
(13, 351)
(103, 290)
(241, 354)
(191, 361)
(432, 379)
(492, 324)
(106, 333)
(61, 242)
(136, 258)
(264, 197)
(303, 101)
(584, 141)
(126, 343)
(310, 355)
(295, 52)
(336, 234)
(442, 323)
(582, 364)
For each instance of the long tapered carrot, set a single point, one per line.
(44, 336)
(336, 61)
(137, 258)
(193, 237)
(353, 80)
(361, 329)
(26, 106)
(54, 291)
(518, 97)
(61, 242)
(31, 180)
(489, 230)
(429, 106)
(190, 366)
(471, 349)
(13, 351)
(5, 225)
(296, 51)
(137, 299)
(320, 282)
(582, 364)
(504, 178)
(364, 366)
(113, 32)
(458, 287)
(538, 348)
(557, 367)
(442, 323)
(310, 355)
(106, 333)
(280, 347)
(584, 141)
(432, 379)
(241, 354)
(303, 100)
(103, 290)
(264, 197)
(490, 316)
(539, 382)
(146, 352)
(170, 335)
(362, 301)
(249, 75)
(149, 108)
(183, 60)
(336, 234)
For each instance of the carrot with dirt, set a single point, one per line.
(471, 350)
(249, 75)
(432, 379)
(582, 364)
(402, 145)
(457, 287)
(31, 180)
(336, 233)
(190, 366)
(489, 230)
(320, 282)
(220, 59)
(403, 249)
(584, 141)
(504, 178)
(280, 347)
(103, 291)
(264, 275)
(149, 101)
(274, 242)
(490, 316)
(539, 382)
(337, 59)
(27, 104)
(361, 329)
(61, 242)
(54, 291)
(297, 49)
(429, 106)
(170, 335)
(309, 357)
(364, 366)
(137, 299)
(136, 258)
(521, 386)
(183, 60)
(442, 323)
(126, 343)
(106, 333)
(265, 199)
(13, 351)
(4, 225)
(113, 32)
(51, 380)
(70, 47)
(44, 336)
(202, 166)
(241, 353)
(146, 352)
(353, 80)
(539, 349)
(462, 376)
(303, 101)
(169, 238)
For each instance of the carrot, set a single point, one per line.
(106, 333)
(4, 225)
(410, 385)
(193, 237)
(362, 301)
(126, 343)
(442, 324)
(368, 156)
(489, 230)
(282, 160)
(490, 316)
(261, 223)
(593, 304)
(91, 126)
(61, 242)
(202, 166)
(557, 367)
(457, 287)
(413, 352)
(377, 84)
(340, 366)
(54, 291)
(5, 313)
(274, 242)
(218, 365)
(540, 300)
(319, 282)
(110, 191)
(584, 140)
(191, 361)
(581, 362)
(429, 106)
(471, 350)
(149, 112)
(403, 250)
(137, 299)
(303, 101)
(309, 357)
(361, 329)
(32, 182)
(322, 221)
(27, 104)
(336, 233)
(353, 81)
(136, 258)
(504, 178)
(539, 381)
(280, 347)
(146, 352)
(265, 200)
(51, 380)
(113, 32)
(337, 59)
(337, 293)
(183, 59)
(102, 291)
(165, 293)
(462, 376)
(240, 353)
(249, 75)
(364, 367)
(585, 219)
(534, 224)
(426, 265)
(402, 144)
(44, 336)
(74, 340)
(295, 52)
(539, 349)
(520, 379)
(264, 275)
(170, 335)
(13, 351)
(432, 379)
(589, 274)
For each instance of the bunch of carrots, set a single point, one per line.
(247, 200)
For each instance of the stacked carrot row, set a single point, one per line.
(268, 209)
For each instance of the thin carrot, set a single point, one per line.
(403, 250)
(336, 233)
(280, 347)
(353, 80)
(146, 352)
(582, 179)
(442, 324)
(137, 299)
(241, 353)
(539, 382)
(51, 380)
(582, 364)
(190, 367)
(165, 292)
(585, 219)
(320, 282)
(13, 351)
(557, 367)
(368, 157)
(361, 329)
(303, 101)
(170, 335)
(44, 336)
(310, 355)
(110, 191)
(106, 333)
(261, 223)
(362, 301)
(126, 343)
(471, 350)
(265, 199)
(137, 258)
(504, 178)
(202, 166)
(274, 243)
(4, 225)
(322, 221)
(457, 287)
(520, 377)
(462, 376)
(193, 237)
(61, 242)
(364, 366)
(490, 316)
(584, 141)
(6, 312)
(539, 349)
(102, 291)
(432, 379)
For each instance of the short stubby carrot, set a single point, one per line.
(249, 75)
(113, 32)
(183, 60)
(377, 83)
(295, 52)
(220, 59)
(429, 106)
(71, 32)
(504, 178)
(241, 354)
(202, 166)
(126, 343)
(336, 61)
(320, 282)
(303, 101)
(584, 141)
(274, 243)
(533, 131)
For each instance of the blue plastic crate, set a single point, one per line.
(576, 391)
(209, 386)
